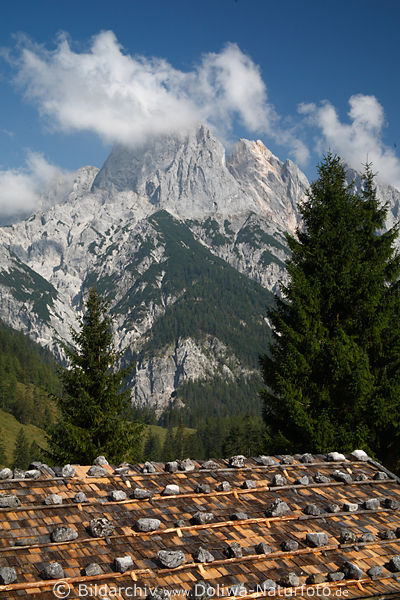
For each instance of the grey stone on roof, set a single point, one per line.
(375, 571)
(350, 507)
(312, 509)
(335, 457)
(380, 476)
(5, 473)
(209, 464)
(170, 490)
(360, 455)
(101, 461)
(237, 461)
(32, 474)
(234, 550)
(351, 571)
(97, 471)
(268, 584)
(101, 527)
(304, 480)
(333, 508)
(315, 540)
(187, 465)
(223, 486)
(341, 476)
(9, 501)
(121, 471)
(68, 471)
(279, 480)
(306, 458)
(249, 484)
(347, 536)
(290, 546)
(267, 461)
(361, 477)
(263, 548)
(336, 576)
(92, 569)
(287, 459)
(180, 523)
(171, 559)
(372, 504)
(202, 488)
(367, 537)
(7, 575)
(316, 578)
(53, 570)
(18, 474)
(117, 495)
(321, 478)
(171, 466)
(394, 564)
(201, 518)
(277, 509)
(79, 497)
(239, 516)
(148, 467)
(63, 534)
(391, 503)
(53, 499)
(289, 579)
(146, 524)
(387, 534)
(123, 563)
(142, 493)
(202, 555)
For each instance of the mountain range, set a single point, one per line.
(187, 244)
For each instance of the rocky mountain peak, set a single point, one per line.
(277, 187)
(185, 174)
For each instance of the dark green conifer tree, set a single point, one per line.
(168, 450)
(152, 447)
(21, 451)
(333, 375)
(94, 405)
(35, 453)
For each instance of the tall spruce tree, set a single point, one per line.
(94, 405)
(333, 372)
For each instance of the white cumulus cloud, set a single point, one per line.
(125, 98)
(359, 140)
(21, 189)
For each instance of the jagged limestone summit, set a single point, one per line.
(185, 242)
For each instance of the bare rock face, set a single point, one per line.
(185, 175)
(276, 186)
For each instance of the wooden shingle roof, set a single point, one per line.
(357, 497)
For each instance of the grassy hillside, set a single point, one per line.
(10, 428)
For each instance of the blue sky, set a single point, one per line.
(301, 75)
